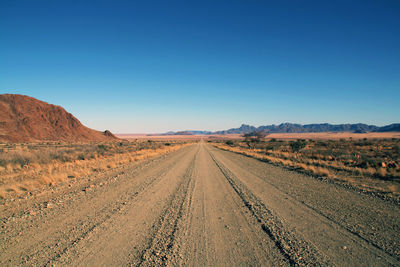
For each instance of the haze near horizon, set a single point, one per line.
(135, 67)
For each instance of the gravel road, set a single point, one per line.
(200, 206)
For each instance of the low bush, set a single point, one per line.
(298, 145)
(229, 143)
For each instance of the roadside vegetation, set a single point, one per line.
(27, 166)
(368, 164)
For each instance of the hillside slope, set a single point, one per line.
(26, 119)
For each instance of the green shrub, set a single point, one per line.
(229, 143)
(297, 145)
(102, 146)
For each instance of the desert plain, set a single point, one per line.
(200, 204)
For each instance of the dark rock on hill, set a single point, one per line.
(109, 134)
(26, 119)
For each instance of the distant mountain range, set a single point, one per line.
(299, 128)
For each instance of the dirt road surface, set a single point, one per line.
(201, 206)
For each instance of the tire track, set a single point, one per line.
(161, 245)
(296, 250)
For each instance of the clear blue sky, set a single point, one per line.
(154, 66)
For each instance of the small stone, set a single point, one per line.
(344, 247)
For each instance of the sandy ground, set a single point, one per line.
(200, 206)
(329, 135)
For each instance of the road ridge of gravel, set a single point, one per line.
(296, 250)
(182, 228)
(160, 250)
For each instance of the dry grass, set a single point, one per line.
(371, 165)
(25, 167)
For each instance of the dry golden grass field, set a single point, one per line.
(28, 166)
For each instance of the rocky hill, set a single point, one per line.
(26, 119)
